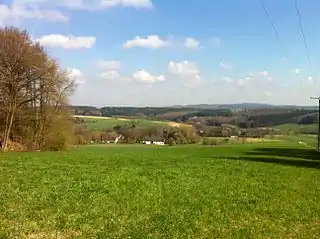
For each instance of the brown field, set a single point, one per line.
(171, 124)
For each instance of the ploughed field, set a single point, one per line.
(258, 190)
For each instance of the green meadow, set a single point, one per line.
(254, 190)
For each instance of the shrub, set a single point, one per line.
(208, 141)
(80, 140)
(57, 143)
(171, 142)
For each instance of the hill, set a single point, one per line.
(249, 116)
(245, 105)
(165, 113)
(102, 123)
(298, 128)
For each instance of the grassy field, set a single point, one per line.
(309, 140)
(298, 128)
(101, 123)
(261, 190)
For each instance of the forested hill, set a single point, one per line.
(241, 114)
(150, 112)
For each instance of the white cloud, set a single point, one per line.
(187, 71)
(297, 71)
(225, 66)
(122, 89)
(51, 10)
(113, 75)
(145, 77)
(268, 93)
(264, 73)
(184, 68)
(151, 41)
(141, 76)
(109, 65)
(87, 4)
(127, 3)
(191, 43)
(75, 75)
(311, 80)
(227, 79)
(243, 81)
(15, 13)
(68, 42)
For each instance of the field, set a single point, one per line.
(101, 123)
(310, 141)
(254, 190)
(298, 128)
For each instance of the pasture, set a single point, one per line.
(298, 128)
(257, 190)
(101, 123)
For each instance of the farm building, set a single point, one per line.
(153, 140)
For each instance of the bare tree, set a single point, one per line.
(32, 86)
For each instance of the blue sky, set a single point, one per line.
(161, 52)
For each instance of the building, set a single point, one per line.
(156, 140)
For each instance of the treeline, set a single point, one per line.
(34, 93)
(257, 121)
(131, 133)
(150, 112)
(246, 118)
(292, 116)
(229, 131)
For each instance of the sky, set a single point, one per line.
(165, 52)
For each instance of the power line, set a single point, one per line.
(302, 32)
(274, 28)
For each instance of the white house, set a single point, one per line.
(158, 142)
(146, 142)
(153, 140)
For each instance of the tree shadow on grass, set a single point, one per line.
(306, 154)
(303, 158)
(281, 161)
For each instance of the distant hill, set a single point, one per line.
(224, 106)
(167, 113)
(242, 115)
(245, 105)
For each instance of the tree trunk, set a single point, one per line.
(8, 127)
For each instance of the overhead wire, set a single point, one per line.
(276, 32)
(303, 35)
(302, 32)
(277, 37)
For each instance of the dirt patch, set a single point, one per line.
(91, 117)
(258, 140)
(174, 124)
(171, 124)
(122, 119)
